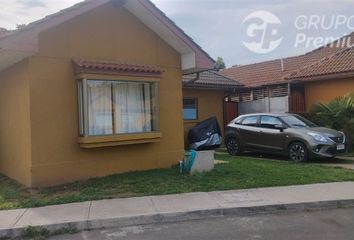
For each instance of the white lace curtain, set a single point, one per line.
(119, 107)
(132, 107)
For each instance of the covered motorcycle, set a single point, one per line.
(205, 136)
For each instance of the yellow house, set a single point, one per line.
(206, 94)
(328, 78)
(93, 90)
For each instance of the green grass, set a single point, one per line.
(239, 173)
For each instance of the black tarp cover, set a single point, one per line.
(205, 136)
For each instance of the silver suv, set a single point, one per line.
(285, 134)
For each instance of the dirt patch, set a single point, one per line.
(220, 162)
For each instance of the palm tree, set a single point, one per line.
(337, 114)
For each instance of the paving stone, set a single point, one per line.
(9, 217)
(184, 202)
(66, 213)
(114, 208)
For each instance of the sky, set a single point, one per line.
(219, 26)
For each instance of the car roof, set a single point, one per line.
(268, 114)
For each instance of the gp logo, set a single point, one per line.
(262, 32)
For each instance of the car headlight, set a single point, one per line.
(318, 137)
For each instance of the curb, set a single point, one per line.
(185, 216)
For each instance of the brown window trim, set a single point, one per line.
(119, 139)
(142, 78)
(197, 110)
(116, 139)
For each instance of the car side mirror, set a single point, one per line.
(281, 127)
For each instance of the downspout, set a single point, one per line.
(193, 80)
(289, 98)
(269, 96)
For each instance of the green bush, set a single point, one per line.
(337, 114)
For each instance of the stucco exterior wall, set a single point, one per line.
(107, 33)
(210, 104)
(325, 91)
(15, 146)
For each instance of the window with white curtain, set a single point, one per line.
(117, 107)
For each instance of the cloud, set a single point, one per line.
(216, 25)
(26, 11)
(28, 4)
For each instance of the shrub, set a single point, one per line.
(337, 114)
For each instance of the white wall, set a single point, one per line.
(266, 105)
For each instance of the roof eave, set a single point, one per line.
(211, 87)
(9, 58)
(193, 58)
(17, 47)
(333, 76)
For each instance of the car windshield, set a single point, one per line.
(297, 121)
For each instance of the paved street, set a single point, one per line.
(319, 225)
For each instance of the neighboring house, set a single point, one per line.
(284, 85)
(205, 95)
(328, 78)
(93, 90)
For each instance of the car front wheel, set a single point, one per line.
(233, 146)
(298, 152)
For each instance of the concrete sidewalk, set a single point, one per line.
(178, 207)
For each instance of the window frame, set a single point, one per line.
(196, 108)
(239, 120)
(256, 124)
(260, 121)
(83, 111)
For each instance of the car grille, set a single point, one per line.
(331, 151)
(338, 139)
(334, 151)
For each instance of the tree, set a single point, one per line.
(219, 64)
(337, 114)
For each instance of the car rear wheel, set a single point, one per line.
(298, 152)
(233, 146)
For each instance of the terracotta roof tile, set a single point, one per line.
(116, 66)
(340, 62)
(256, 74)
(209, 79)
(270, 72)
